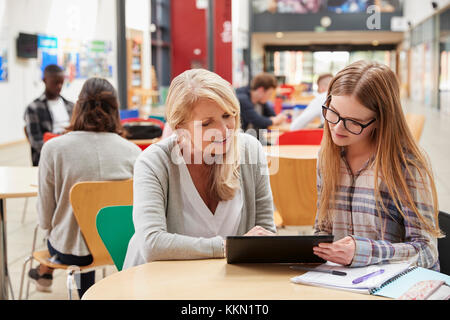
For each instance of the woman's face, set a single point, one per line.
(210, 128)
(350, 108)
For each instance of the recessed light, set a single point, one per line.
(325, 21)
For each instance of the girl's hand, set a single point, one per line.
(341, 251)
(259, 231)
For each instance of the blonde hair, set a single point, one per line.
(398, 156)
(185, 91)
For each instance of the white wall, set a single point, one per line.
(416, 11)
(75, 19)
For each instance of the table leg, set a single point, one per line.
(3, 254)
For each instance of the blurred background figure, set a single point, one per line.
(49, 113)
(256, 113)
(314, 108)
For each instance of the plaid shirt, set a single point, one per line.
(385, 240)
(38, 120)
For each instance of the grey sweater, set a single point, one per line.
(71, 158)
(158, 205)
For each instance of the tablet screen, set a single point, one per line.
(274, 249)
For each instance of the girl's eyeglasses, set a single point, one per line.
(351, 125)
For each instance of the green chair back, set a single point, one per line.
(115, 227)
(160, 118)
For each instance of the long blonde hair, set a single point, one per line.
(185, 91)
(397, 155)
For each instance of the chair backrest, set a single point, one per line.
(444, 243)
(48, 136)
(26, 133)
(87, 198)
(115, 227)
(129, 113)
(151, 120)
(160, 118)
(415, 124)
(294, 190)
(303, 136)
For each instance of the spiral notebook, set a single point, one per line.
(395, 280)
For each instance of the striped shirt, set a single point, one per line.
(385, 239)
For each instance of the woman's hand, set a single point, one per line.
(341, 251)
(255, 231)
(259, 231)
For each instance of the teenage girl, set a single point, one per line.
(376, 192)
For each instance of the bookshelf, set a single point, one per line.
(134, 67)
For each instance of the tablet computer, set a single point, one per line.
(274, 249)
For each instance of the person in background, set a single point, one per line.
(376, 192)
(255, 111)
(49, 113)
(92, 150)
(314, 108)
(205, 182)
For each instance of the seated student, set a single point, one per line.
(48, 113)
(314, 108)
(92, 150)
(255, 112)
(376, 192)
(201, 184)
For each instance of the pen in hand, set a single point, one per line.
(334, 272)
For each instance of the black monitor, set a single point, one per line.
(27, 45)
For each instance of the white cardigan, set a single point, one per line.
(158, 205)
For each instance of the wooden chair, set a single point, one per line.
(415, 124)
(294, 190)
(87, 198)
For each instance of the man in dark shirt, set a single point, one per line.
(255, 112)
(48, 113)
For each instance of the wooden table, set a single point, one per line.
(211, 279)
(15, 182)
(293, 151)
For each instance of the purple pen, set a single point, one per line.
(367, 276)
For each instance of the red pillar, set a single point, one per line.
(188, 33)
(222, 39)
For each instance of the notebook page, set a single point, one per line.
(345, 282)
(396, 288)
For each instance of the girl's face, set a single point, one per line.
(210, 128)
(349, 107)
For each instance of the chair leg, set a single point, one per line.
(29, 282)
(69, 284)
(10, 287)
(71, 281)
(25, 206)
(29, 259)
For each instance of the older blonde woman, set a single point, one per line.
(205, 182)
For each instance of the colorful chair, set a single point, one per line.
(115, 227)
(303, 136)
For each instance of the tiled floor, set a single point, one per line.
(435, 141)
